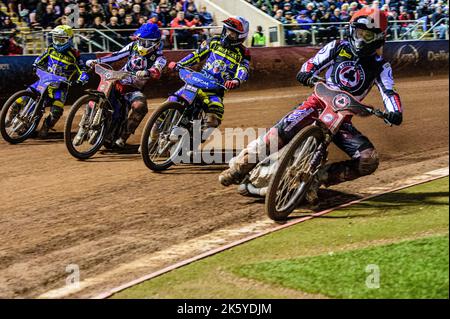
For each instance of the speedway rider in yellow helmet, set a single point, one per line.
(61, 59)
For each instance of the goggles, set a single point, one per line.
(148, 43)
(60, 40)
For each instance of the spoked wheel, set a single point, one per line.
(85, 128)
(290, 183)
(18, 119)
(163, 137)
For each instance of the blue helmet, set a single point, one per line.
(148, 37)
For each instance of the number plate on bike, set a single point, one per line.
(189, 93)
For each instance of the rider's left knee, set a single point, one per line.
(140, 106)
(368, 161)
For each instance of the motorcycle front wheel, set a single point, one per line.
(18, 120)
(163, 137)
(85, 127)
(291, 181)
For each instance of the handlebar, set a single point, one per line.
(70, 83)
(192, 70)
(109, 67)
(374, 111)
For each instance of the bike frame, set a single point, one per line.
(40, 88)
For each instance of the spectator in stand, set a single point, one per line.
(304, 30)
(82, 12)
(8, 25)
(206, 17)
(113, 23)
(186, 4)
(190, 12)
(121, 15)
(280, 16)
(97, 11)
(48, 18)
(435, 18)
(197, 34)
(183, 35)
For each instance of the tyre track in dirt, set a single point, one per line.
(111, 210)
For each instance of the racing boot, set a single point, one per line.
(318, 180)
(212, 122)
(154, 135)
(237, 171)
(121, 142)
(50, 121)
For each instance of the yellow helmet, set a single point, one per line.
(62, 37)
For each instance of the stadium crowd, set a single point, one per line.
(294, 12)
(112, 15)
(121, 17)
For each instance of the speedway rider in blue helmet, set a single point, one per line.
(145, 59)
(61, 59)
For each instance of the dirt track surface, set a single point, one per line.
(111, 210)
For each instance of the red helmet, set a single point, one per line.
(241, 28)
(367, 31)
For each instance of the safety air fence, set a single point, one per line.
(270, 67)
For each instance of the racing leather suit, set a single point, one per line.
(222, 64)
(67, 64)
(346, 72)
(131, 88)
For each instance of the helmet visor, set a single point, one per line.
(60, 40)
(232, 35)
(148, 43)
(365, 35)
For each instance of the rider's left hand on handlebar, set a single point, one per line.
(91, 63)
(174, 66)
(304, 77)
(232, 84)
(155, 73)
(395, 118)
(142, 74)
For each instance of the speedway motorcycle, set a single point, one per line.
(23, 111)
(98, 118)
(169, 132)
(291, 175)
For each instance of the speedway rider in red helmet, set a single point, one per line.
(227, 61)
(353, 66)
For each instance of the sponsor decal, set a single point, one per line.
(295, 117)
(350, 76)
(345, 54)
(438, 56)
(4, 66)
(407, 54)
(341, 101)
(328, 118)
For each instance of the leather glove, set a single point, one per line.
(142, 74)
(232, 84)
(395, 118)
(83, 79)
(303, 77)
(174, 66)
(91, 63)
(155, 73)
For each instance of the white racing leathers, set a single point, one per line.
(344, 71)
